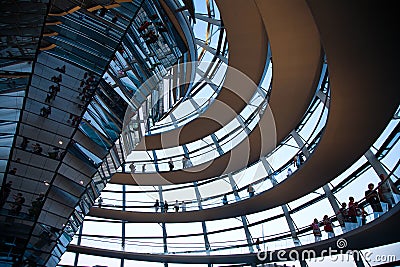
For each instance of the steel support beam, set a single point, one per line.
(243, 217)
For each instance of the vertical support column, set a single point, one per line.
(183, 81)
(284, 207)
(243, 217)
(123, 234)
(207, 80)
(328, 193)
(326, 188)
(163, 226)
(173, 119)
(78, 243)
(175, 81)
(122, 154)
(216, 143)
(203, 223)
(194, 104)
(160, 195)
(243, 125)
(375, 163)
(300, 143)
(331, 198)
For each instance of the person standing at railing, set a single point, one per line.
(372, 198)
(170, 164)
(386, 190)
(166, 206)
(184, 162)
(257, 243)
(133, 168)
(316, 230)
(100, 202)
(5, 193)
(296, 161)
(342, 216)
(156, 205)
(362, 214)
(144, 167)
(225, 200)
(16, 206)
(352, 211)
(176, 206)
(183, 206)
(251, 190)
(328, 228)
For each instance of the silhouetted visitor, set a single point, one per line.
(62, 69)
(36, 206)
(13, 171)
(37, 149)
(372, 198)
(100, 202)
(24, 143)
(250, 190)
(16, 206)
(170, 164)
(257, 243)
(54, 153)
(166, 206)
(156, 205)
(45, 111)
(342, 215)
(289, 172)
(225, 200)
(4, 193)
(352, 210)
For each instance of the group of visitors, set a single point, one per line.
(165, 206)
(19, 200)
(150, 30)
(16, 205)
(45, 111)
(54, 89)
(53, 153)
(52, 93)
(353, 214)
(88, 86)
(298, 160)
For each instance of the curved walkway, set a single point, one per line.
(260, 141)
(361, 238)
(297, 58)
(359, 85)
(244, 35)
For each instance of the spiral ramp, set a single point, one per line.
(343, 66)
